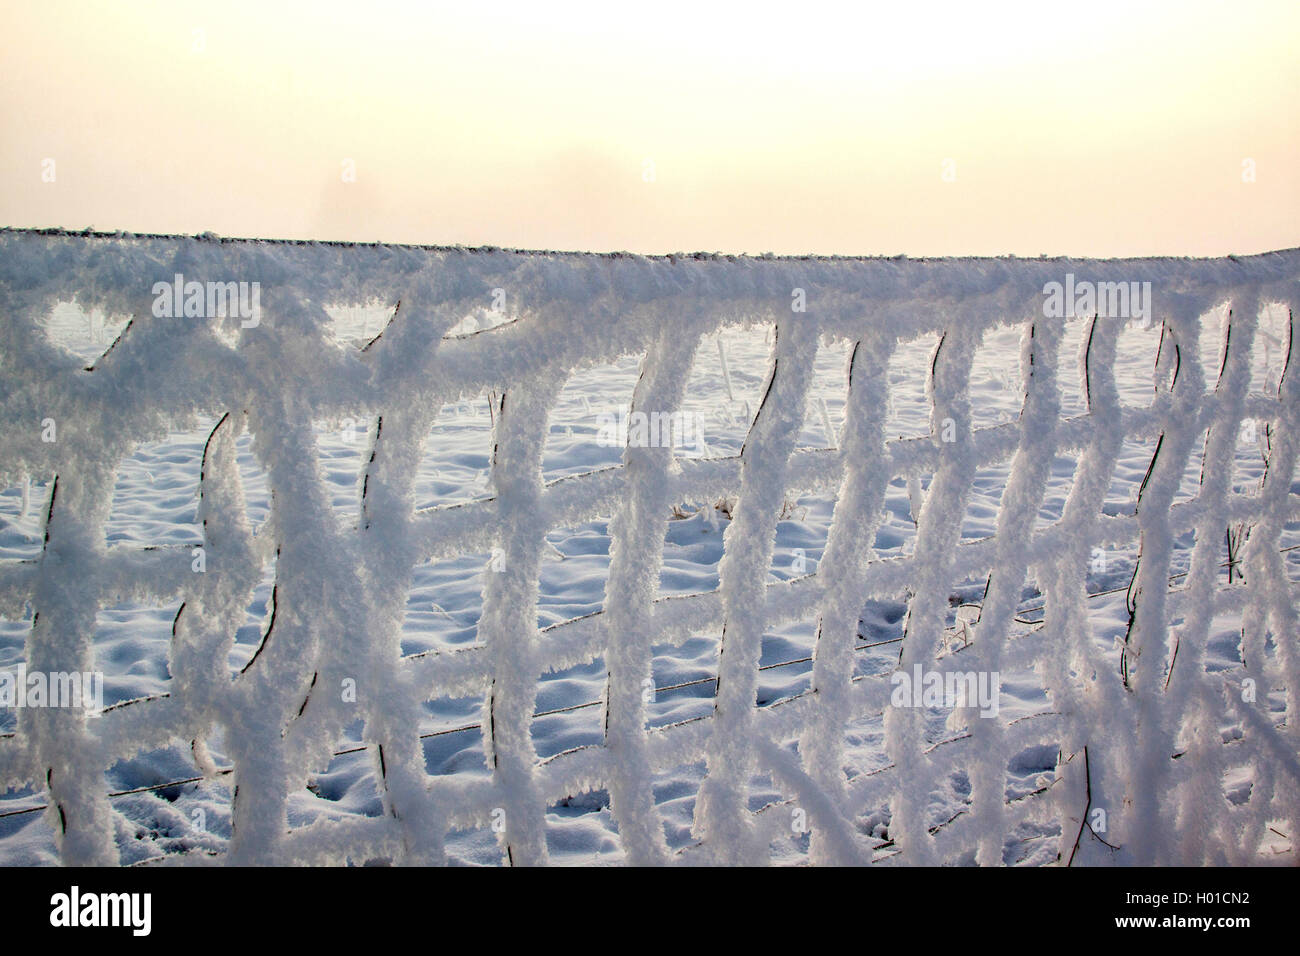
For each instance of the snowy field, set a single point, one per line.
(162, 810)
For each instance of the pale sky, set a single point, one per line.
(1028, 126)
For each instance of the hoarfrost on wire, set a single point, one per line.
(359, 354)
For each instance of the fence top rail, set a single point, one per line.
(211, 237)
(596, 295)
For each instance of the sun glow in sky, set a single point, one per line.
(1106, 128)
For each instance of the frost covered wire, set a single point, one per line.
(338, 596)
(465, 728)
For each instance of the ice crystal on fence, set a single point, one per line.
(1142, 740)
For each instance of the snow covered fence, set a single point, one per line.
(1143, 740)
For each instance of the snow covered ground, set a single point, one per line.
(154, 503)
